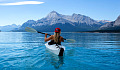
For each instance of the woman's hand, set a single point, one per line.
(45, 34)
(49, 38)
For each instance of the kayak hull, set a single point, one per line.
(56, 49)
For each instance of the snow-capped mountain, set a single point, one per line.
(74, 22)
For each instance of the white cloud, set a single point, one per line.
(22, 3)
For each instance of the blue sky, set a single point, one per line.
(19, 11)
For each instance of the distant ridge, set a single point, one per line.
(114, 25)
(103, 21)
(9, 27)
(109, 27)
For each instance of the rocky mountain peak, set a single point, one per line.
(74, 14)
(118, 18)
(31, 21)
(117, 21)
(53, 14)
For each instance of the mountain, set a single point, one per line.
(68, 23)
(114, 25)
(103, 21)
(9, 27)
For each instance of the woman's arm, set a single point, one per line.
(49, 38)
(62, 40)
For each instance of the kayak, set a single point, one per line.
(56, 49)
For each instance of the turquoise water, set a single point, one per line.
(91, 51)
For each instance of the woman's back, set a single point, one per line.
(54, 42)
(56, 38)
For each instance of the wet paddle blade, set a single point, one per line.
(28, 29)
(70, 40)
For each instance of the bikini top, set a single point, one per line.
(53, 42)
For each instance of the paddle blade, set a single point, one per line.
(70, 40)
(28, 29)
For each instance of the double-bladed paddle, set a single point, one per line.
(29, 29)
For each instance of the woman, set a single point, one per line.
(56, 38)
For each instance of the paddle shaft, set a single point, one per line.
(47, 34)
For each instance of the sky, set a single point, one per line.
(20, 11)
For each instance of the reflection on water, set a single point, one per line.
(56, 61)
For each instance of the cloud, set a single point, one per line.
(22, 3)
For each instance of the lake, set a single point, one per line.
(91, 51)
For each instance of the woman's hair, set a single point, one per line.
(56, 36)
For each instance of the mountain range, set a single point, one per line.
(69, 23)
(9, 27)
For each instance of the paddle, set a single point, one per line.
(28, 29)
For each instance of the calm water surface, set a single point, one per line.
(91, 51)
